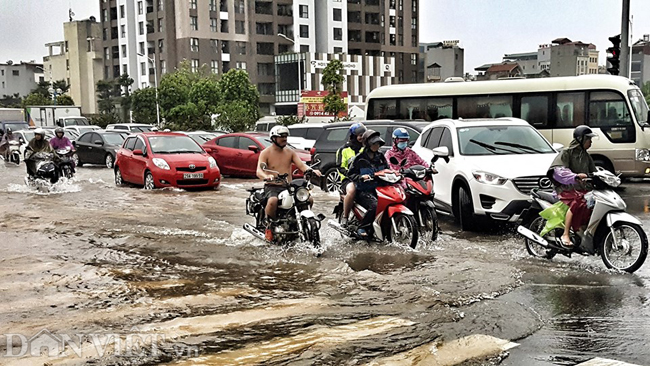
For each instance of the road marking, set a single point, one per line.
(460, 350)
(605, 362)
(319, 338)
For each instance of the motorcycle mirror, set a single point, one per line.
(402, 163)
(393, 160)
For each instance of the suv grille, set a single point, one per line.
(526, 184)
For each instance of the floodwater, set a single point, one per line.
(175, 270)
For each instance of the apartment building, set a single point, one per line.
(247, 34)
(19, 78)
(77, 60)
(640, 70)
(441, 60)
(573, 58)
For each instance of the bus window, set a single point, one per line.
(534, 109)
(608, 111)
(428, 109)
(638, 105)
(383, 109)
(570, 109)
(493, 106)
(438, 108)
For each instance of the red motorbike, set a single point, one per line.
(393, 221)
(419, 199)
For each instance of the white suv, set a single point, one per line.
(487, 166)
(130, 127)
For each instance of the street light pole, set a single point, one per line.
(296, 47)
(155, 78)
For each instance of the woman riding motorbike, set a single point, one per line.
(401, 151)
(344, 156)
(568, 171)
(361, 172)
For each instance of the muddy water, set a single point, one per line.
(176, 269)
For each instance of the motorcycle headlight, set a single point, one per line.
(213, 163)
(489, 178)
(302, 194)
(642, 154)
(160, 163)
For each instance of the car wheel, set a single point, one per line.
(331, 180)
(109, 161)
(149, 182)
(465, 208)
(118, 177)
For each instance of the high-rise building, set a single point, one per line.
(77, 60)
(248, 34)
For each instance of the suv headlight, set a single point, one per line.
(160, 163)
(489, 178)
(213, 163)
(302, 194)
(642, 154)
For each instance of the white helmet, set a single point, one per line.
(39, 131)
(278, 130)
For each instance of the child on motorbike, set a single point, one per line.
(361, 172)
(344, 156)
(568, 171)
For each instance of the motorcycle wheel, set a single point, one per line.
(15, 158)
(629, 241)
(429, 223)
(532, 247)
(312, 232)
(67, 172)
(407, 230)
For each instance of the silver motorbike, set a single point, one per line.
(612, 233)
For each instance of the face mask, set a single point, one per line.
(402, 145)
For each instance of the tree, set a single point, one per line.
(61, 84)
(239, 102)
(125, 82)
(64, 99)
(36, 98)
(143, 103)
(332, 81)
(105, 91)
(290, 120)
(646, 91)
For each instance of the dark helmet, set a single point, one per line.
(59, 130)
(581, 132)
(8, 130)
(357, 129)
(371, 137)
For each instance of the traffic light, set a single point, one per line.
(613, 54)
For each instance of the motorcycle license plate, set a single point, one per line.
(193, 176)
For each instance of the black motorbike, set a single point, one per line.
(45, 171)
(294, 218)
(65, 162)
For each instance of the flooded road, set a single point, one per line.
(121, 275)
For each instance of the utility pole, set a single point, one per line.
(625, 40)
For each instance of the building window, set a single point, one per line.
(401, 5)
(123, 50)
(354, 17)
(224, 25)
(400, 40)
(241, 65)
(223, 6)
(142, 48)
(213, 24)
(391, 21)
(163, 66)
(337, 15)
(105, 34)
(304, 31)
(143, 68)
(338, 34)
(141, 28)
(240, 27)
(240, 7)
(304, 11)
(140, 7)
(414, 23)
(3, 85)
(194, 44)
(285, 10)
(160, 25)
(214, 66)
(161, 44)
(195, 65)
(414, 41)
(121, 11)
(107, 54)
(266, 69)
(213, 5)
(241, 48)
(414, 76)
(192, 4)
(264, 28)
(194, 23)
(17, 72)
(392, 39)
(225, 66)
(338, 49)
(161, 5)
(225, 47)
(414, 59)
(215, 45)
(122, 31)
(391, 4)
(415, 7)
(264, 48)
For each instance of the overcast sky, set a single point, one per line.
(486, 29)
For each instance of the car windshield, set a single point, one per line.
(639, 105)
(113, 138)
(173, 145)
(202, 138)
(81, 121)
(16, 126)
(82, 130)
(489, 140)
(141, 128)
(28, 135)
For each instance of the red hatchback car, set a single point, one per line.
(237, 153)
(162, 159)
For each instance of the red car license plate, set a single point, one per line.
(193, 176)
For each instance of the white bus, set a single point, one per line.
(613, 106)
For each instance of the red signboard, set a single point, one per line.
(311, 104)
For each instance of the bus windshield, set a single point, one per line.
(639, 106)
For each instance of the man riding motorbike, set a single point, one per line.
(568, 171)
(279, 159)
(38, 144)
(6, 138)
(363, 167)
(344, 156)
(401, 151)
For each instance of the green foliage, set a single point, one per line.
(36, 98)
(64, 99)
(646, 91)
(104, 119)
(143, 102)
(332, 81)
(61, 84)
(290, 120)
(238, 104)
(105, 96)
(125, 82)
(236, 116)
(11, 101)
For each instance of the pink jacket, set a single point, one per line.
(61, 143)
(412, 158)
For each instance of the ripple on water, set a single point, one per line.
(62, 186)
